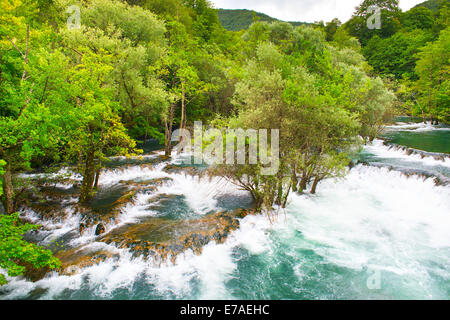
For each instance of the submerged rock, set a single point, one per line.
(81, 228)
(34, 274)
(100, 229)
(100, 218)
(168, 238)
(193, 171)
(74, 260)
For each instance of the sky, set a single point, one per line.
(303, 10)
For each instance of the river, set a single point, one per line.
(382, 232)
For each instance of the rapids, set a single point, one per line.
(382, 232)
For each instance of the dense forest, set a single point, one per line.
(75, 95)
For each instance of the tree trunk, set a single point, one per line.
(303, 182)
(182, 107)
(97, 177)
(87, 185)
(258, 204)
(279, 199)
(286, 198)
(314, 186)
(168, 133)
(294, 179)
(8, 190)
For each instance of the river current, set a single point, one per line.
(382, 232)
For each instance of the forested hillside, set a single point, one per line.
(240, 19)
(433, 5)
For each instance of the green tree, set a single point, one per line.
(320, 98)
(390, 20)
(15, 253)
(331, 28)
(181, 77)
(2, 164)
(94, 127)
(396, 55)
(418, 18)
(26, 127)
(277, 93)
(135, 39)
(433, 69)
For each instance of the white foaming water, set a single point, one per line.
(381, 220)
(64, 172)
(138, 209)
(140, 157)
(417, 127)
(374, 218)
(379, 149)
(201, 193)
(113, 176)
(54, 229)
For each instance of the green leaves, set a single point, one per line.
(396, 55)
(433, 69)
(14, 251)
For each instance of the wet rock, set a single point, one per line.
(92, 217)
(170, 168)
(193, 171)
(74, 260)
(81, 228)
(125, 199)
(163, 238)
(100, 229)
(156, 239)
(147, 166)
(147, 185)
(37, 293)
(421, 153)
(33, 274)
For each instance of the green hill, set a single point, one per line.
(239, 19)
(433, 5)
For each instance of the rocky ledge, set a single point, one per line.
(164, 239)
(157, 240)
(411, 151)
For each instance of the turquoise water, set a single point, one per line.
(377, 234)
(433, 141)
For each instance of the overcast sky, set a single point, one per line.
(303, 10)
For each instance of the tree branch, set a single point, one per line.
(26, 53)
(21, 53)
(27, 101)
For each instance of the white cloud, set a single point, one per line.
(303, 10)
